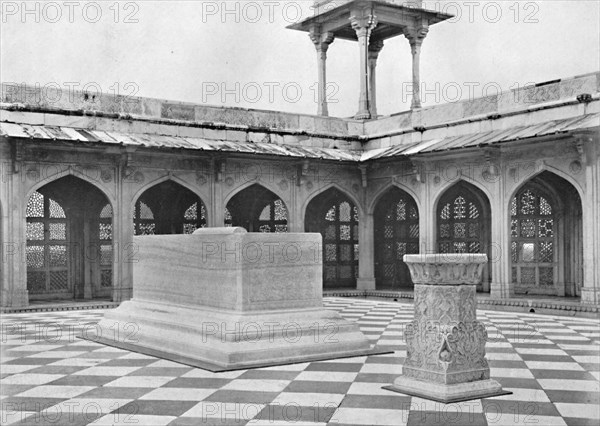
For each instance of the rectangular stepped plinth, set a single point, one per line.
(224, 299)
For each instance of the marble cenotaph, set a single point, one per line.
(224, 299)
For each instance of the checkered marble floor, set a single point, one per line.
(48, 376)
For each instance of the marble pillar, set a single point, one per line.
(590, 159)
(366, 255)
(375, 47)
(363, 25)
(416, 37)
(446, 344)
(322, 42)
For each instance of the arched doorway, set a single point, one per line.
(396, 220)
(335, 216)
(258, 210)
(69, 252)
(464, 224)
(168, 208)
(546, 237)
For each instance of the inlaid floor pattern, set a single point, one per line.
(49, 376)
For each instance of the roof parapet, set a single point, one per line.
(50, 100)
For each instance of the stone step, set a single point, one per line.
(570, 307)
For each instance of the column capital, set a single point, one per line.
(416, 35)
(584, 144)
(363, 25)
(321, 40)
(375, 47)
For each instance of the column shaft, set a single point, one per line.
(374, 49)
(366, 254)
(322, 42)
(590, 292)
(415, 37)
(14, 267)
(123, 238)
(363, 26)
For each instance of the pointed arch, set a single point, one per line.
(247, 185)
(379, 194)
(160, 180)
(463, 216)
(168, 207)
(464, 180)
(463, 223)
(396, 233)
(69, 251)
(258, 209)
(546, 236)
(549, 169)
(333, 214)
(77, 174)
(324, 189)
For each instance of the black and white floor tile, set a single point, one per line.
(49, 376)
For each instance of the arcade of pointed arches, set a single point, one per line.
(69, 251)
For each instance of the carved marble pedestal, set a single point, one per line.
(225, 299)
(446, 344)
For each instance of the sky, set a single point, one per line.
(240, 54)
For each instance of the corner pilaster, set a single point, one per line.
(590, 292)
(366, 255)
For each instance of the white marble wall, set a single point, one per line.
(516, 167)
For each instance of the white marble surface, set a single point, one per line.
(230, 299)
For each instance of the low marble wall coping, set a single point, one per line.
(446, 258)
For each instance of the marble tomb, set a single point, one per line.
(224, 299)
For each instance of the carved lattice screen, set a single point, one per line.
(460, 224)
(47, 252)
(273, 217)
(105, 238)
(396, 234)
(533, 239)
(340, 245)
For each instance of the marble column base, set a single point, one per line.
(447, 393)
(365, 283)
(14, 298)
(363, 115)
(502, 290)
(120, 294)
(589, 296)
